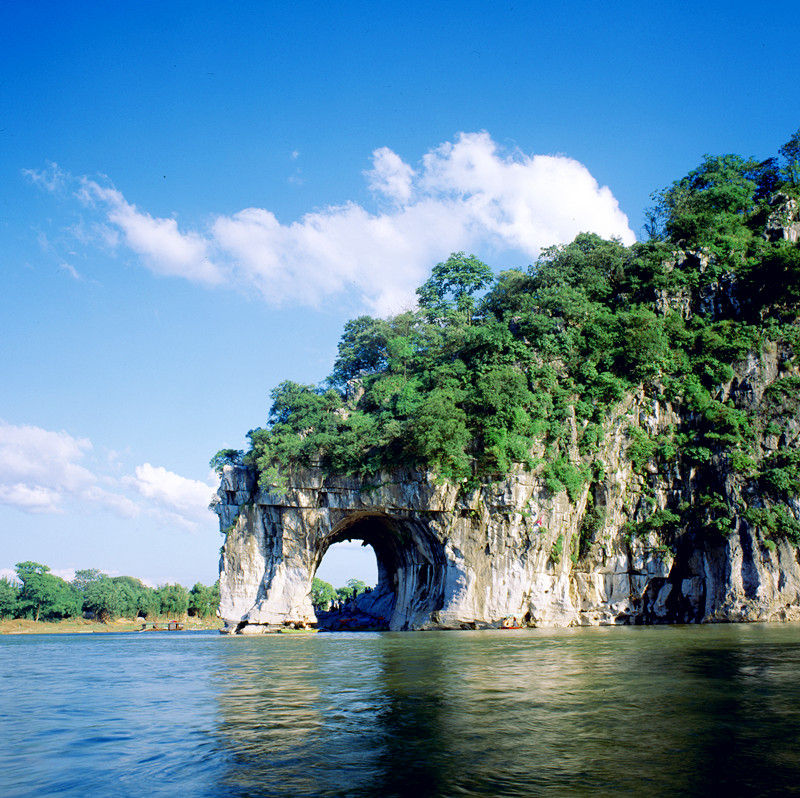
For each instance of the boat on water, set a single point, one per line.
(168, 626)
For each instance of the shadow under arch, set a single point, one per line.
(411, 567)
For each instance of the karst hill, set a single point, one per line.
(609, 436)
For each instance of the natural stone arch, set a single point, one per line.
(452, 560)
(472, 559)
(411, 566)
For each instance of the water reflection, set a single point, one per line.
(667, 711)
(744, 710)
(576, 712)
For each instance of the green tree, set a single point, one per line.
(362, 350)
(226, 457)
(44, 595)
(711, 206)
(343, 594)
(322, 593)
(173, 599)
(645, 345)
(357, 586)
(105, 599)
(85, 576)
(300, 415)
(438, 433)
(132, 593)
(148, 603)
(452, 285)
(9, 598)
(353, 587)
(790, 153)
(590, 264)
(203, 600)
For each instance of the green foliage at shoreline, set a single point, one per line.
(323, 594)
(527, 366)
(39, 595)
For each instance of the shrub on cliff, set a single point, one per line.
(488, 370)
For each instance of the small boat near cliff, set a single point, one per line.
(155, 626)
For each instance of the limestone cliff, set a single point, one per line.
(454, 559)
(679, 498)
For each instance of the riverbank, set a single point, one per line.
(24, 626)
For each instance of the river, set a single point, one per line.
(690, 710)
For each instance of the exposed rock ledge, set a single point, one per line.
(507, 549)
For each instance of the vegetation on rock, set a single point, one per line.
(528, 367)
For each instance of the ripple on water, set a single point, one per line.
(664, 711)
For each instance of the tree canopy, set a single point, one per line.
(43, 595)
(452, 284)
(40, 595)
(526, 366)
(9, 598)
(322, 593)
(204, 600)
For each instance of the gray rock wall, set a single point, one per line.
(506, 550)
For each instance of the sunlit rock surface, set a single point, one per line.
(450, 559)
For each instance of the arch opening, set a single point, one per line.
(345, 562)
(410, 585)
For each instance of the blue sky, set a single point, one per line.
(194, 198)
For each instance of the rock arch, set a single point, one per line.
(453, 559)
(411, 565)
(445, 560)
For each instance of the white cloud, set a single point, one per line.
(39, 468)
(464, 195)
(31, 498)
(42, 471)
(390, 176)
(164, 248)
(51, 178)
(182, 498)
(117, 503)
(70, 270)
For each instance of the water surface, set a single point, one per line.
(631, 711)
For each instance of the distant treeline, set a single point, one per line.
(41, 595)
(323, 594)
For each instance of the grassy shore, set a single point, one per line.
(23, 626)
